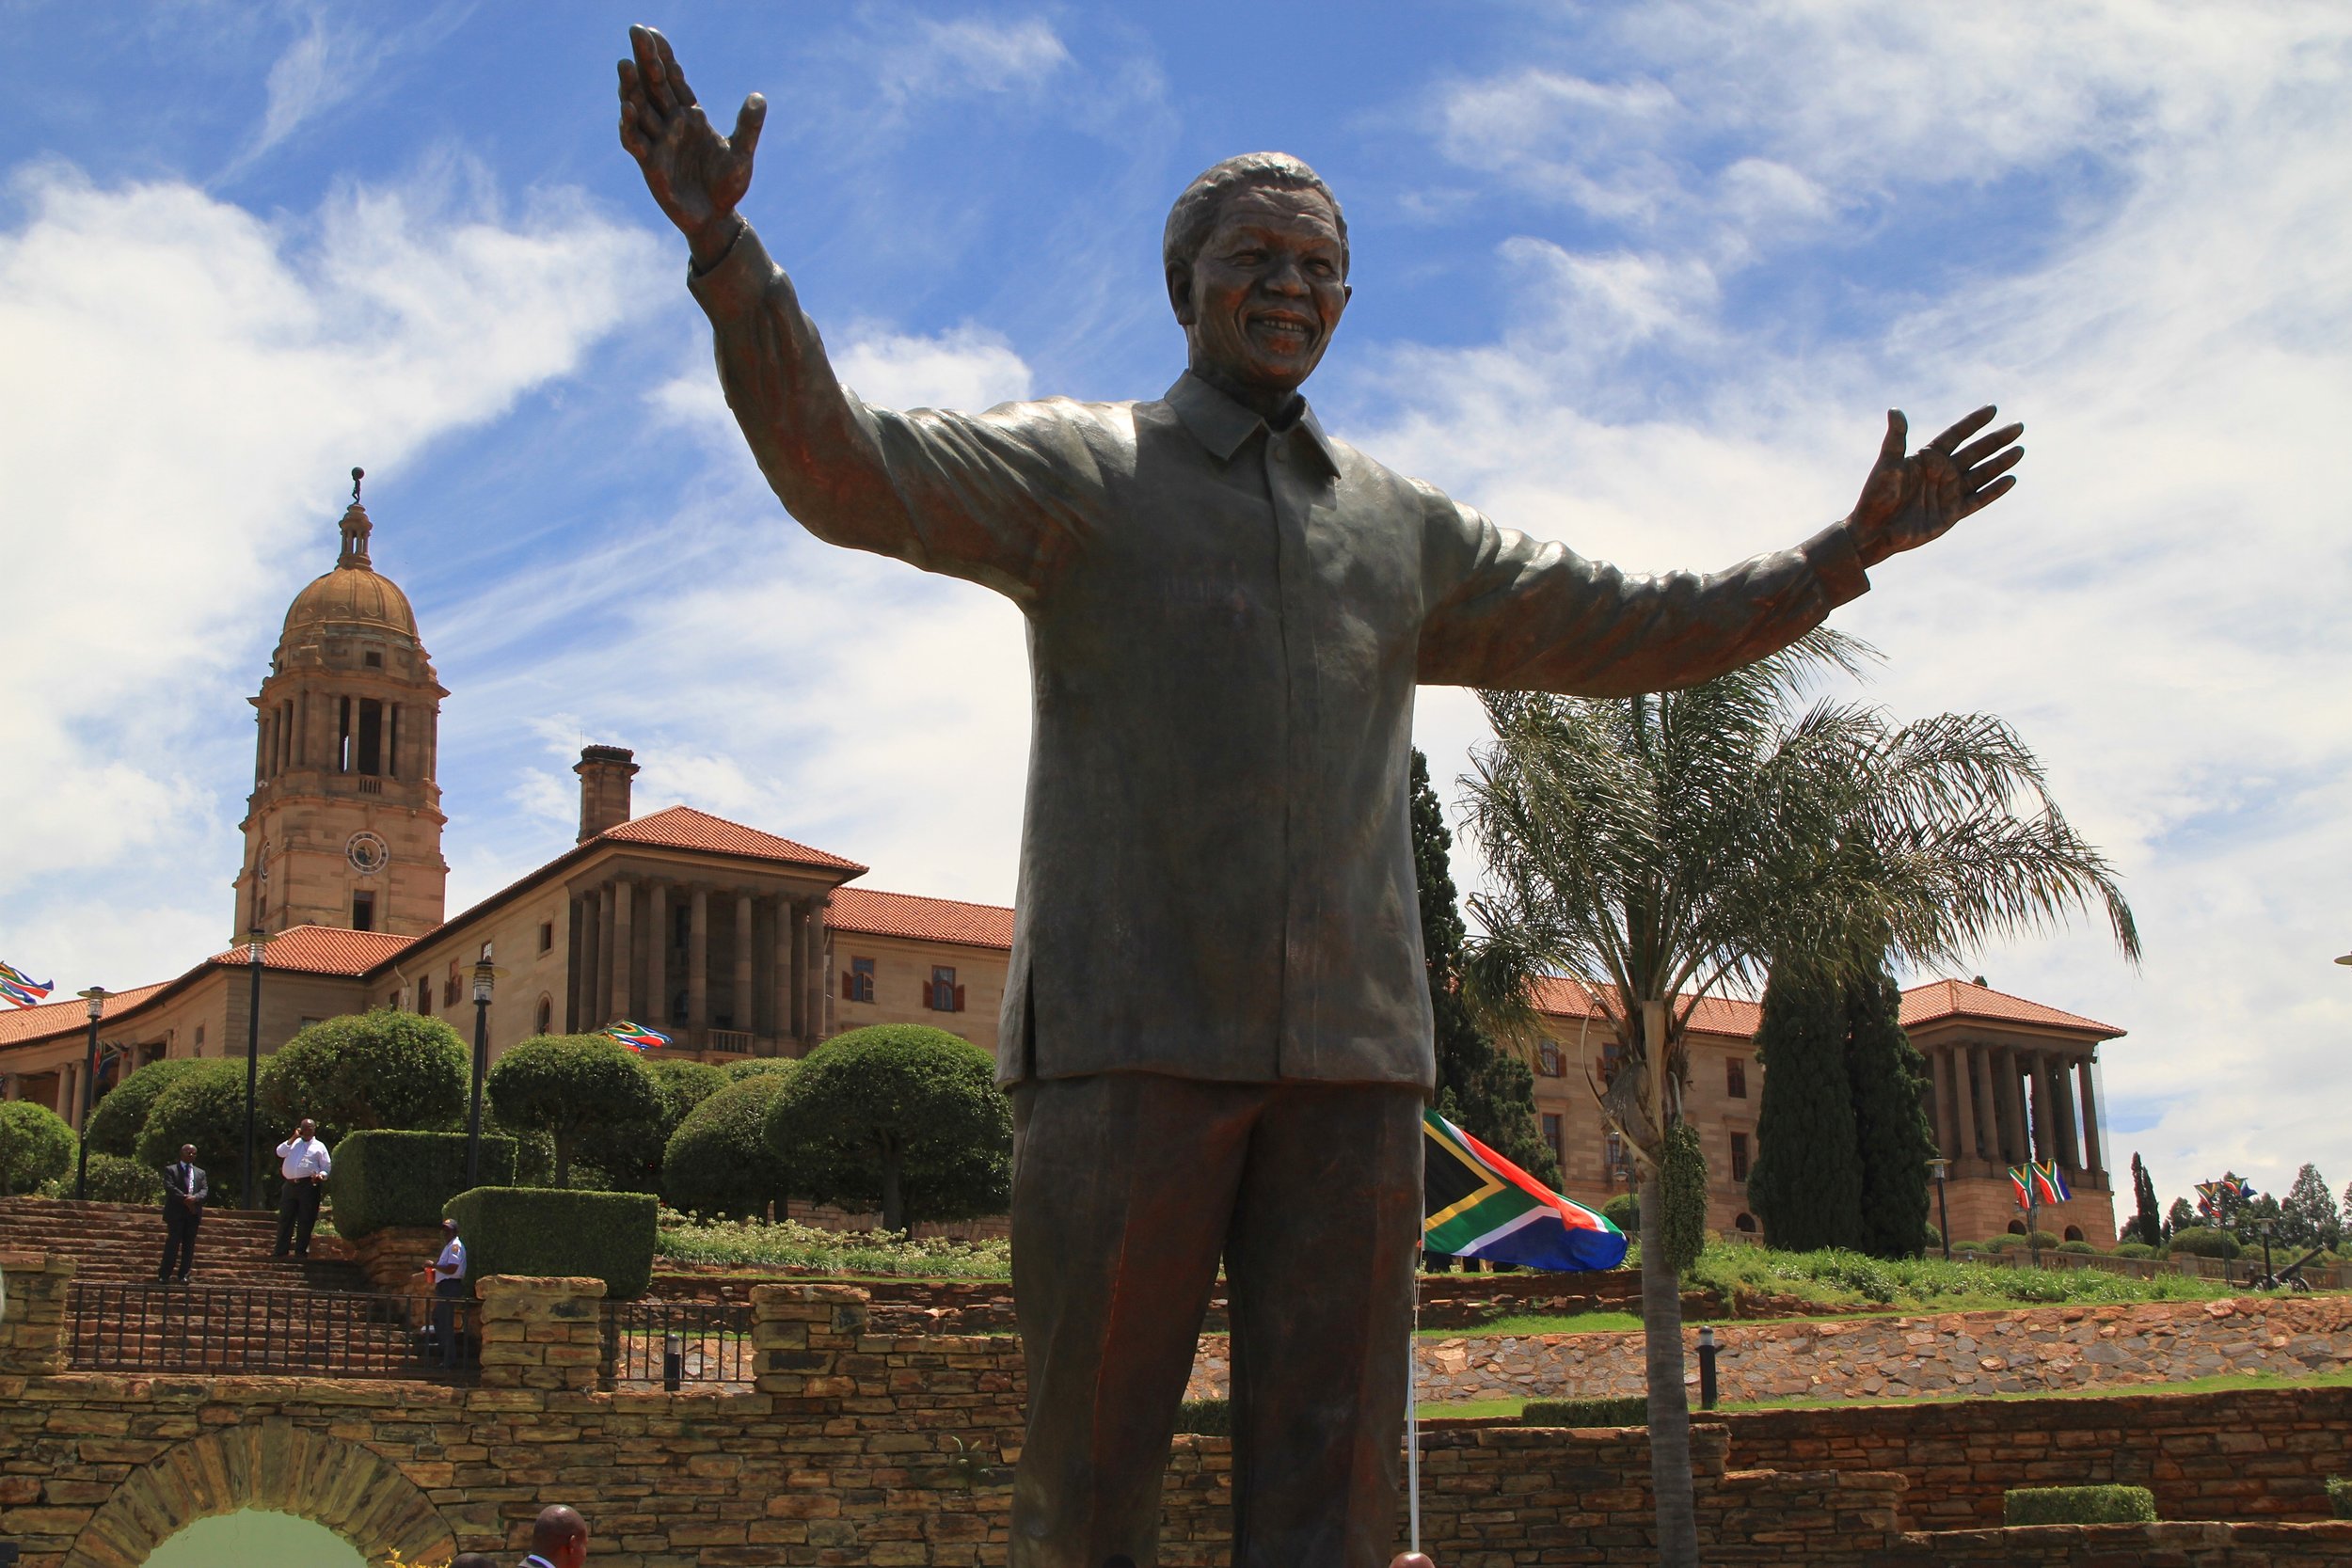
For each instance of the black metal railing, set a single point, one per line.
(668, 1344)
(254, 1330)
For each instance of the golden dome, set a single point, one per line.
(353, 595)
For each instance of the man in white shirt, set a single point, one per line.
(304, 1162)
(448, 1288)
(559, 1539)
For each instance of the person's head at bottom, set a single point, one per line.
(560, 1536)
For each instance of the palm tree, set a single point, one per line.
(1661, 848)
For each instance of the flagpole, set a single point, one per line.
(1412, 1404)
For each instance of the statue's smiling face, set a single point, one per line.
(1261, 300)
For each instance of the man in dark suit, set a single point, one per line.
(185, 1188)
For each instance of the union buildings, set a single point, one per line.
(740, 942)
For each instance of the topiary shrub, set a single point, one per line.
(2204, 1241)
(901, 1117)
(1632, 1410)
(1683, 1196)
(367, 1070)
(384, 1177)
(632, 1157)
(1205, 1418)
(573, 1088)
(756, 1067)
(2078, 1505)
(2135, 1249)
(35, 1145)
(1624, 1212)
(116, 1123)
(111, 1179)
(719, 1161)
(549, 1233)
(2078, 1249)
(206, 1106)
(1932, 1239)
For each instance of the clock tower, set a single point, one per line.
(343, 827)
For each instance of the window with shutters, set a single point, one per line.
(857, 985)
(424, 993)
(1612, 1058)
(450, 987)
(1556, 1138)
(1736, 1078)
(945, 995)
(1547, 1060)
(1738, 1156)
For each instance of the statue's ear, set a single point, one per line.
(1180, 292)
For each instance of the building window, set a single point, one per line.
(546, 936)
(373, 659)
(943, 995)
(1548, 1059)
(450, 987)
(546, 1014)
(363, 911)
(1738, 1156)
(1736, 1078)
(424, 993)
(1745, 1225)
(199, 1039)
(1612, 1058)
(858, 984)
(1556, 1139)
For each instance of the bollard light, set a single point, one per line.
(1707, 1366)
(1940, 1168)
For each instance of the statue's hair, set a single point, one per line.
(1194, 217)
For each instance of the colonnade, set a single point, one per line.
(626, 961)
(1991, 1100)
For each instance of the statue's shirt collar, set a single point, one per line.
(1221, 425)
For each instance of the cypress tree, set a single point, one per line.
(2147, 1224)
(1805, 1186)
(1892, 1138)
(1486, 1092)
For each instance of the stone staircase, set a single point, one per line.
(122, 1243)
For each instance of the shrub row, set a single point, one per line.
(384, 1177)
(1631, 1410)
(2078, 1505)
(553, 1233)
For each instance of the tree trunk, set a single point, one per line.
(894, 1196)
(562, 1159)
(1669, 1406)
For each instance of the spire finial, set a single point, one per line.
(357, 475)
(356, 527)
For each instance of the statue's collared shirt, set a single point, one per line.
(1225, 624)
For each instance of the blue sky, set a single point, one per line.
(1642, 279)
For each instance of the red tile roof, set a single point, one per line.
(684, 828)
(903, 914)
(1928, 1003)
(319, 950)
(1941, 999)
(22, 1024)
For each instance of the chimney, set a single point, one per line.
(604, 774)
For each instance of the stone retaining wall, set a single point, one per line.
(2034, 1350)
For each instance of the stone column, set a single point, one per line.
(67, 1098)
(606, 919)
(625, 947)
(2009, 1120)
(2044, 1139)
(540, 1333)
(658, 955)
(2094, 1163)
(698, 966)
(780, 990)
(302, 729)
(1946, 1122)
(796, 943)
(32, 1333)
(820, 997)
(743, 1008)
(1964, 1098)
(575, 956)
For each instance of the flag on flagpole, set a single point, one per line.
(2049, 1183)
(23, 989)
(1477, 1204)
(2017, 1179)
(636, 1036)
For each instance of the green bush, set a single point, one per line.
(35, 1145)
(367, 1070)
(719, 1161)
(2339, 1496)
(383, 1178)
(2135, 1249)
(2078, 1505)
(1624, 1212)
(1930, 1240)
(1682, 1198)
(2204, 1241)
(1205, 1418)
(899, 1117)
(549, 1233)
(115, 1124)
(2078, 1249)
(573, 1088)
(111, 1179)
(206, 1107)
(754, 1066)
(1632, 1410)
(632, 1157)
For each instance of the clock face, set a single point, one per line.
(367, 853)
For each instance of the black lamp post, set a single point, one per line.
(2267, 1225)
(484, 977)
(253, 946)
(96, 997)
(1939, 1168)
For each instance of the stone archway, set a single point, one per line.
(273, 1466)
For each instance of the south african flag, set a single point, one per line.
(1477, 1204)
(636, 1036)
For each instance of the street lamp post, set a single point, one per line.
(1939, 1168)
(484, 977)
(2266, 1225)
(96, 997)
(253, 946)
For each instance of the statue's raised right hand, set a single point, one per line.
(694, 173)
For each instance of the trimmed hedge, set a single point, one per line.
(118, 1117)
(1632, 1410)
(756, 1067)
(2078, 1505)
(35, 1145)
(382, 1177)
(1205, 1418)
(2135, 1249)
(2080, 1248)
(555, 1232)
(1624, 1212)
(2204, 1241)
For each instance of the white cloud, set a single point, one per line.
(936, 58)
(967, 368)
(186, 381)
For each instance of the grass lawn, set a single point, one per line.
(1543, 1322)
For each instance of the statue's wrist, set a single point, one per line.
(713, 242)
